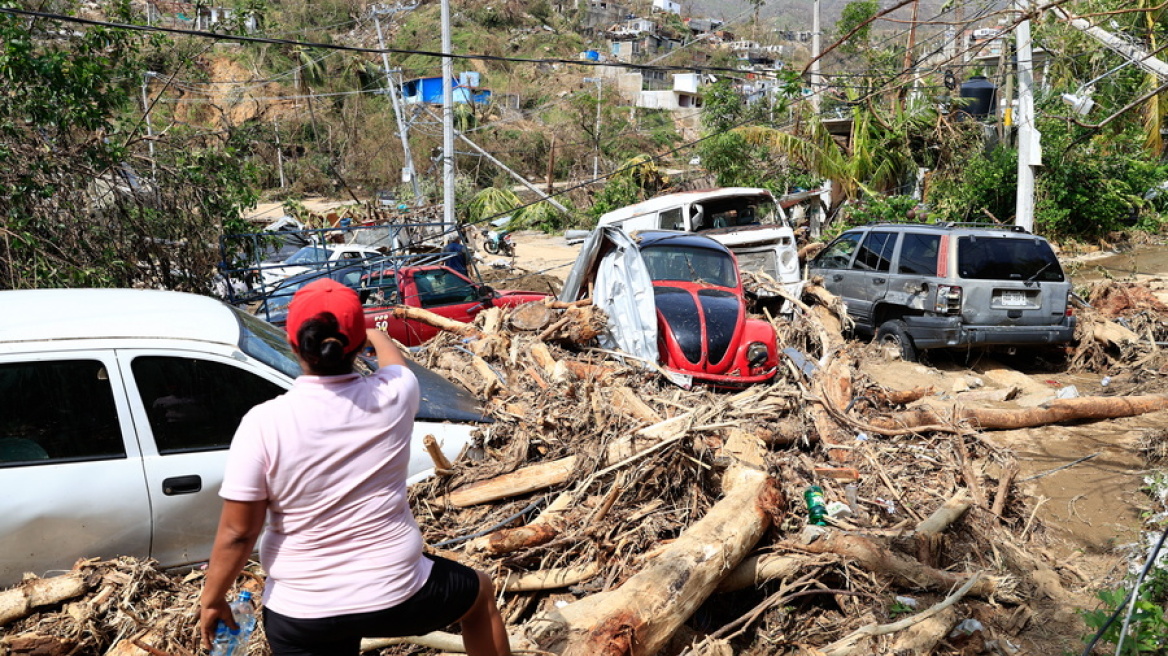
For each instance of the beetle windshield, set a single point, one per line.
(1007, 258)
(691, 265)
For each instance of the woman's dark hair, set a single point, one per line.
(323, 346)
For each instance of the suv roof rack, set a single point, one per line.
(984, 226)
(951, 224)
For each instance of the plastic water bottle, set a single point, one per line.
(233, 642)
(816, 506)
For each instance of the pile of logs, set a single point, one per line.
(621, 515)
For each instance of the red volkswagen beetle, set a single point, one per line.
(703, 329)
(675, 298)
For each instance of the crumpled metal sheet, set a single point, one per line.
(611, 261)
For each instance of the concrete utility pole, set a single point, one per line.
(149, 128)
(815, 50)
(596, 150)
(447, 122)
(402, 127)
(1133, 53)
(1029, 146)
(908, 52)
(522, 180)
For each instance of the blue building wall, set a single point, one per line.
(429, 90)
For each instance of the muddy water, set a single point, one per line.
(1095, 505)
(1145, 260)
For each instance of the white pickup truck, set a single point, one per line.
(747, 220)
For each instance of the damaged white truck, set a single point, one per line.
(747, 220)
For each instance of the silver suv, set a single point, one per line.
(923, 286)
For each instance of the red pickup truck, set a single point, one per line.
(439, 289)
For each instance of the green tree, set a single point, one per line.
(638, 179)
(856, 13)
(85, 205)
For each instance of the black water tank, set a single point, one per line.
(982, 95)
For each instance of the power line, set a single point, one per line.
(361, 49)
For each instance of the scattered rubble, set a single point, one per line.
(619, 514)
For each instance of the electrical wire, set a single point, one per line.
(1131, 597)
(332, 46)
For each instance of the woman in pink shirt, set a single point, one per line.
(325, 466)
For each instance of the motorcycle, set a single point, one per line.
(499, 242)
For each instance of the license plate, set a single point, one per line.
(1013, 298)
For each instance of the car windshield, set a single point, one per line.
(1007, 258)
(269, 344)
(691, 265)
(266, 343)
(309, 255)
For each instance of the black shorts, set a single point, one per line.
(447, 595)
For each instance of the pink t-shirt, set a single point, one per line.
(331, 457)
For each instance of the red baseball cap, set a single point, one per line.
(327, 295)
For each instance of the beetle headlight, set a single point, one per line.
(757, 354)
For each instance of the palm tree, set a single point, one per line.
(877, 158)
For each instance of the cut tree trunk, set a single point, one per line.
(20, 601)
(1058, 411)
(641, 615)
(409, 313)
(547, 474)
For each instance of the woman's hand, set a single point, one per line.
(387, 351)
(210, 614)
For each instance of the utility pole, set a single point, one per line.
(280, 156)
(149, 128)
(1029, 147)
(402, 128)
(815, 49)
(908, 52)
(447, 121)
(596, 151)
(1128, 51)
(522, 180)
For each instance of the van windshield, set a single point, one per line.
(734, 212)
(1007, 258)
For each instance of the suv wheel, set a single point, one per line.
(894, 335)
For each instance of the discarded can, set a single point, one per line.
(816, 506)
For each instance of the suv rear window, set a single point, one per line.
(1006, 258)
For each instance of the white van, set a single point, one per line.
(747, 220)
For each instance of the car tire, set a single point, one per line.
(895, 334)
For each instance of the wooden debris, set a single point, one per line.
(409, 313)
(22, 600)
(609, 504)
(642, 614)
(1058, 411)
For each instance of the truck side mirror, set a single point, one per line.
(486, 292)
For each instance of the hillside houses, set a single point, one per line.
(629, 38)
